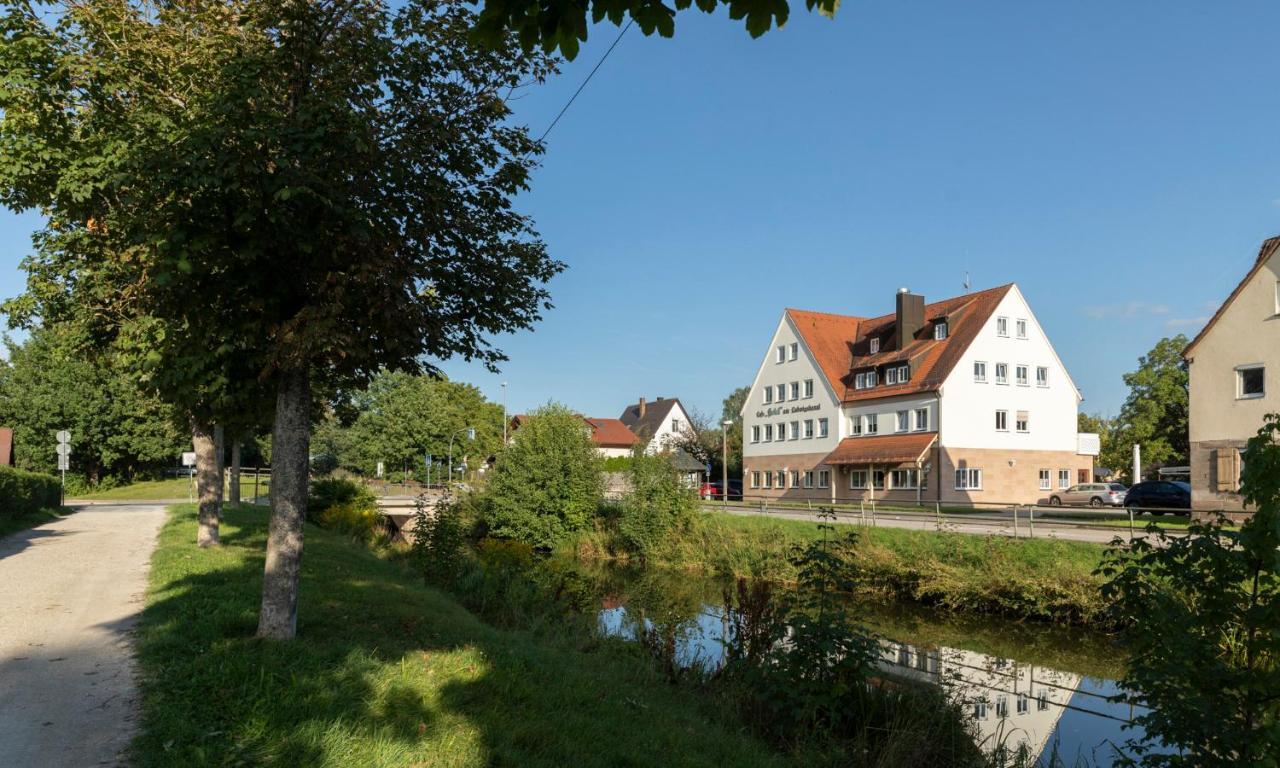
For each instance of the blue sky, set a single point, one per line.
(1119, 161)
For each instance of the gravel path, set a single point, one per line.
(70, 591)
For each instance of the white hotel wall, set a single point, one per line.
(886, 411)
(968, 408)
(823, 404)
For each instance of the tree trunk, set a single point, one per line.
(290, 450)
(208, 484)
(233, 485)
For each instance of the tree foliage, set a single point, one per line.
(50, 383)
(1155, 413)
(547, 483)
(656, 505)
(1203, 618)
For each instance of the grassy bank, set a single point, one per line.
(1038, 579)
(170, 488)
(10, 524)
(386, 672)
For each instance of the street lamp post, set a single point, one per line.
(471, 435)
(724, 433)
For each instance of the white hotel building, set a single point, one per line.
(959, 401)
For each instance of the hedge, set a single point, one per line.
(23, 492)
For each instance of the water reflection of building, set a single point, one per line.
(1012, 704)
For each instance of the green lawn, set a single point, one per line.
(10, 525)
(386, 672)
(171, 488)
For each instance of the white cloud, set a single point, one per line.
(1176, 323)
(1131, 309)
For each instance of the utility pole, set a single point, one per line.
(504, 414)
(724, 474)
(1137, 463)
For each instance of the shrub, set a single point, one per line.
(360, 522)
(547, 483)
(23, 493)
(335, 491)
(656, 506)
(439, 541)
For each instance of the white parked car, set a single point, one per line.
(1092, 494)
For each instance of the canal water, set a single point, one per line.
(1048, 688)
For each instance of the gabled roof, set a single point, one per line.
(842, 344)
(606, 433)
(655, 413)
(1268, 248)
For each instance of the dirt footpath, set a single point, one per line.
(70, 591)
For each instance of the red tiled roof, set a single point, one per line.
(882, 449)
(611, 433)
(1269, 247)
(841, 344)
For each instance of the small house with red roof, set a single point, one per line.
(611, 436)
(958, 401)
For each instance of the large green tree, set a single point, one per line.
(307, 191)
(49, 383)
(1155, 413)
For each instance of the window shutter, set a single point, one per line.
(1224, 459)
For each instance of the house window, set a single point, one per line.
(1002, 421)
(872, 424)
(795, 390)
(794, 351)
(980, 709)
(904, 479)
(795, 430)
(755, 434)
(968, 479)
(1042, 700)
(940, 330)
(768, 433)
(860, 381)
(782, 355)
(768, 395)
(782, 430)
(782, 393)
(1042, 376)
(675, 425)
(922, 419)
(1064, 478)
(855, 425)
(755, 479)
(1002, 373)
(1002, 326)
(808, 479)
(875, 346)
(768, 479)
(1023, 704)
(1250, 381)
(1022, 328)
(904, 421)
(808, 388)
(1021, 372)
(795, 478)
(877, 479)
(904, 374)
(890, 375)
(858, 479)
(1022, 421)
(808, 429)
(980, 372)
(824, 478)
(871, 378)
(1002, 706)
(823, 429)
(782, 478)
(1045, 482)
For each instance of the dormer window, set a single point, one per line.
(860, 381)
(940, 330)
(891, 376)
(875, 346)
(871, 378)
(904, 374)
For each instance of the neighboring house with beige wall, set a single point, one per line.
(959, 401)
(1234, 373)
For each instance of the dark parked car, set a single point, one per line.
(1159, 495)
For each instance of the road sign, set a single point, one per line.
(64, 437)
(63, 449)
(189, 458)
(382, 468)
(64, 462)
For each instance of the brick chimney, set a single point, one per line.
(641, 408)
(910, 316)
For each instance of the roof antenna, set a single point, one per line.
(966, 281)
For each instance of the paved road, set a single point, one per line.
(991, 523)
(69, 593)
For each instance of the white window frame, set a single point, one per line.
(1020, 327)
(940, 330)
(782, 478)
(969, 479)
(824, 478)
(824, 427)
(1240, 371)
(808, 478)
(1002, 327)
(755, 433)
(782, 431)
(768, 433)
(808, 388)
(855, 425)
(858, 479)
(1002, 379)
(878, 479)
(910, 479)
(1022, 426)
(1042, 375)
(921, 420)
(890, 375)
(875, 346)
(1002, 420)
(795, 478)
(755, 479)
(902, 421)
(1020, 374)
(871, 379)
(1046, 479)
(872, 424)
(904, 374)
(795, 430)
(980, 371)
(860, 381)
(808, 429)
(781, 357)
(793, 352)
(768, 394)
(795, 390)
(1064, 479)
(768, 479)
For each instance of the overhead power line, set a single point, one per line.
(592, 74)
